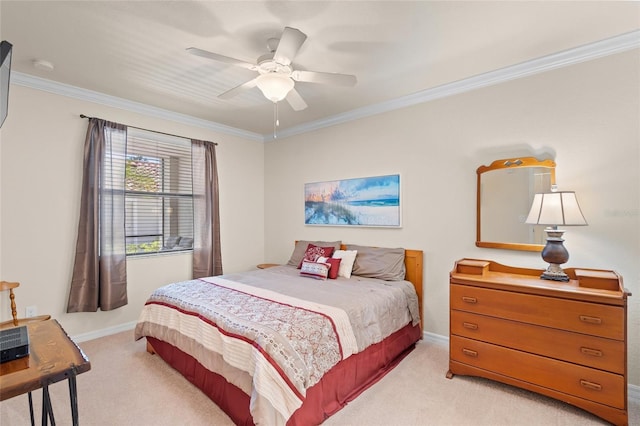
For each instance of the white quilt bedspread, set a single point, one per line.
(272, 333)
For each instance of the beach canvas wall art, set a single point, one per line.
(369, 201)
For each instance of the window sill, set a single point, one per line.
(159, 254)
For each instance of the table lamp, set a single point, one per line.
(554, 209)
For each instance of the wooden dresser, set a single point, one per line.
(566, 340)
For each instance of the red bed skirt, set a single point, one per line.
(340, 385)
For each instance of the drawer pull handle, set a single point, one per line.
(469, 299)
(469, 352)
(470, 326)
(592, 352)
(590, 320)
(591, 385)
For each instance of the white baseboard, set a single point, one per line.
(633, 391)
(104, 332)
(436, 339)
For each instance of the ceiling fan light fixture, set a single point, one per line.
(274, 86)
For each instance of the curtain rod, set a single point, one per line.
(148, 130)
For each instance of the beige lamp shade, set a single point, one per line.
(556, 209)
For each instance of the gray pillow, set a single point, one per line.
(301, 248)
(185, 242)
(379, 262)
(172, 242)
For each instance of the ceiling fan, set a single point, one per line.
(277, 76)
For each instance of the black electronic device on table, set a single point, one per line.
(5, 71)
(14, 343)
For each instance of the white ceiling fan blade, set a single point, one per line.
(290, 42)
(238, 89)
(220, 58)
(324, 78)
(295, 100)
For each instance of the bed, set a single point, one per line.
(274, 346)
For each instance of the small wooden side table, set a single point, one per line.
(53, 357)
(267, 265)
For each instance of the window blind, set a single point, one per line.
(158, 193)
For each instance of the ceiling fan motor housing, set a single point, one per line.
(266, 64)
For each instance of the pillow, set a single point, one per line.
(172, 242)
(334, 268)
(301, 247)
(316, 270)
(378, 262)
(346, 263)
(185, 242)
(313, 252)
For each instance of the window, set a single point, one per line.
(158, 193)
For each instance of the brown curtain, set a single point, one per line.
(207, 259)
(100, 271)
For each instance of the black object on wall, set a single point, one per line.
(5, 73)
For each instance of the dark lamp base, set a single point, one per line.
(555, 254)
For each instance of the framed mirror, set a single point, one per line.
(504, 195)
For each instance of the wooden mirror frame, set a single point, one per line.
(509, 163)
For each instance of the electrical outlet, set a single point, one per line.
(31, 311)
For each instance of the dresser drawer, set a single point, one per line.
(582, 317)
(590, 351)
(591, 384)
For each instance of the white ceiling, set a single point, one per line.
(135, 50)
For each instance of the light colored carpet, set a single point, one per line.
(127, 386)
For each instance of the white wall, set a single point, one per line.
(586, 116)
(41, 145)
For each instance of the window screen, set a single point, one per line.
(158, 193)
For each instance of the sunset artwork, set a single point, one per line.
(370, 201)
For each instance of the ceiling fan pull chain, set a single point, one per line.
(275, 119)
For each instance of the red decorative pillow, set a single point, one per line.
(314, 252)
(335, 267)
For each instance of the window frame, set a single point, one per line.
(162, 195)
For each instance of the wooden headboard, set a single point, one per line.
(413, 266)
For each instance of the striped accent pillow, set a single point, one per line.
(319, 271)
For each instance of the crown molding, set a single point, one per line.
(50, 86)
(591, 51)
(598, 49)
